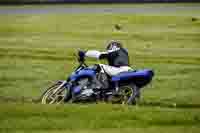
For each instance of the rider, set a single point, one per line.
(118, 61)
(116, 55)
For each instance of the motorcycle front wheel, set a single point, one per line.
(55, 94)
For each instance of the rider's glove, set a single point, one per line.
(81, 55)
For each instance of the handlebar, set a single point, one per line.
(81, 58)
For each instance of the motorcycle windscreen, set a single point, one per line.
(139, 77)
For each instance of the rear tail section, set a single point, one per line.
(140, 77)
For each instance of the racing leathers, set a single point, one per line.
(117, 58)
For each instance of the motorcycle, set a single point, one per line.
(81, 86)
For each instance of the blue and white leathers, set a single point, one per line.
(113, 68)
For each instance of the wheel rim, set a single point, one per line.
(51, 97)
(126, 93)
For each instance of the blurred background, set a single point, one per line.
(91, 1)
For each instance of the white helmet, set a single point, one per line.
(112, 45)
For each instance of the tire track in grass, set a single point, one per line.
(167, 59)
(40, 57)
(101, 116)
(142, 58)
(36, 100)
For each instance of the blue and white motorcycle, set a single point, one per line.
(80, 87)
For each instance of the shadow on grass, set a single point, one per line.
(169, 105)
(7, 99)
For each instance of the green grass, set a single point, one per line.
(100, 118)
(37, 49)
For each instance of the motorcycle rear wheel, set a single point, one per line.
(55, 94)
(126, 95)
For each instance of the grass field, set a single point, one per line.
(37, 49)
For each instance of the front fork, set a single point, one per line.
(68, 94)
(60, 86)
